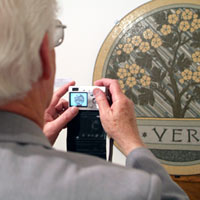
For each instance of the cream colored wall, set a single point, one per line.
(88, 24)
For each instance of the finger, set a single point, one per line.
(60, 92)
(61, 106)
(58, 109)
(113, 87)
(101, 100)
(66, 117)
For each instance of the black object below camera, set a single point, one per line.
(86, 135)
(85, 132)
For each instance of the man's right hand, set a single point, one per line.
(58, 114)
(118, 119)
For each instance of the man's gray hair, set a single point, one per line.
(23, 24)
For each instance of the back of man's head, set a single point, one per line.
(23, 24)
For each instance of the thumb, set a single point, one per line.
(53, 128)
(101, 100)
(66, 117)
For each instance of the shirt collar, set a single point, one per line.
(16, 128)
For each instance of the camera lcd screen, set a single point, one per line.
(79, 99)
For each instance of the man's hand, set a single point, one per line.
(58, 114)
(118, 120)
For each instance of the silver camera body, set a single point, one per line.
(83, 98)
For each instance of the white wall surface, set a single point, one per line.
(88, 24)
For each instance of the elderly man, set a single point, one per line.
(30, 167)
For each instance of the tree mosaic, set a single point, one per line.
(157, 63)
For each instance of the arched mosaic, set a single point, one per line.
(154, 53)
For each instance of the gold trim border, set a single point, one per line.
(182, 170)
(169, 119)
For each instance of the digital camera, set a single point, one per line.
(82, 97)
(85, 133)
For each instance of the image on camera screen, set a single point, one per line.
(79, 99)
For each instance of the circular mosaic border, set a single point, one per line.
(115, 39)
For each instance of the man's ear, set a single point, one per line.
(45, 58)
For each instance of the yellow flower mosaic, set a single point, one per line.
(196, 57)
(186, 74)
(122, 73)
(119, 52)
(178, 12)
(172, 19)
(144, 47)
(131, 81)
(181, 80)
(121, 83)
(134, 69)
(195, 16)
(192, 29)
(187, 14)
(145, 80)
(148, 34)
(136, 40)
(128, 48)
(195, 24)
(196, 77)
(120, 46)
(184, 25)
(156, 42)
(166, 29)
(142, 71)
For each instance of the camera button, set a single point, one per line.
(94, 100)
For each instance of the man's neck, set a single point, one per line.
(28, 108)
